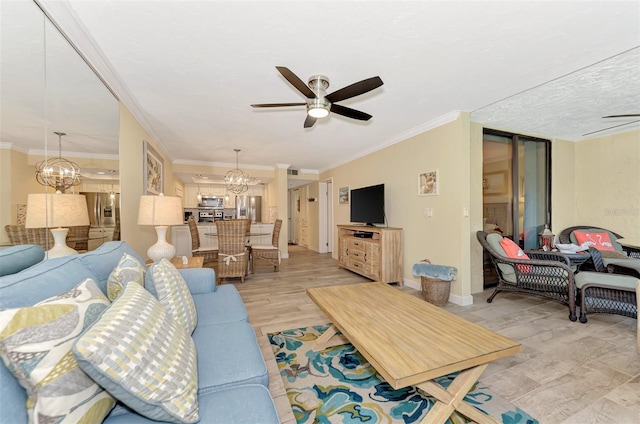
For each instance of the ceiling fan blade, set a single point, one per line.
(309, 121)
(355, 89)
(608, 128)
(629, 115)
(296, 82)
(278, 104)
(350, 113)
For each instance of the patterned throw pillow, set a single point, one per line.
(128, 269)
(143, 358)
(35, 345)
(598, 239)
(164, 281)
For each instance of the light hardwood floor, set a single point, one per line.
(567, 372)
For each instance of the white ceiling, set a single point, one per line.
(188, 70)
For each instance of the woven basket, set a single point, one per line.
(435, 291)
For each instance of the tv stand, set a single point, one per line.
(374, 252)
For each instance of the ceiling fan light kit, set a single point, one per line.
(318, 103)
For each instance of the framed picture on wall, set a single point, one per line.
(343, 195)
(494, 183)
(153, 168)
(428, 183)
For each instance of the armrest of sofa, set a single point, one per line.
(199, 280)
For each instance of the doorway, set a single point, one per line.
(516, 189)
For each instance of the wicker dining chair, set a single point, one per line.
(268, 252)
(209, 253)
(18, 234)
(233, 254)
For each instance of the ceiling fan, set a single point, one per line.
(625, 115)
(319, 104)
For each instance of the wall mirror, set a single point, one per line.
(47, 87)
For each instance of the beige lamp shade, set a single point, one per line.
(55, 210)
(160, 210)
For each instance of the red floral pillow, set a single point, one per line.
(512, 250)
(598, 239)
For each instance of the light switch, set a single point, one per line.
(427, 212)
(465, 212)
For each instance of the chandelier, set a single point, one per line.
(236, 180)
(58, 172)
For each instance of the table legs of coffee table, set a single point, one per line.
(452, 398)
(329, 339)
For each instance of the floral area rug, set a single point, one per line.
(338, 385)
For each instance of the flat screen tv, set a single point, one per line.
(367, 205)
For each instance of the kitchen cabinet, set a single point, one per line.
(264, 228)
(100, 186)
(98, 236)
(205, 240)
(181, 239)
(190, 198)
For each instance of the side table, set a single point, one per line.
(192, 262)
(572, 259)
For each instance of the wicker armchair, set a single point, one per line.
(268, 252)
(78, 238)
(546, 275)
(209, 253)
(233, 254)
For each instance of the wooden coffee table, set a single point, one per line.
(411, 342)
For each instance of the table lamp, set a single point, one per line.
(161, 211)
(55, 211)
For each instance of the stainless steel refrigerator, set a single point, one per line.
(249, 207)
(104, 209)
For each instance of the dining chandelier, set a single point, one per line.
(58, 172)
(237, 181)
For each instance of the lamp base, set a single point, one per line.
(60, 247)
(162, 249)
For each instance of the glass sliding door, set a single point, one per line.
(516, 188)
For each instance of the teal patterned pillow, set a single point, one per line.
(143, 358)
(35, 345)
(128, 269)
(164, 281)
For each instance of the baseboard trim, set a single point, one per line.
(453, 298)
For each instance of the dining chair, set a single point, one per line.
(208, 252)
(268, 252)
(233, 254)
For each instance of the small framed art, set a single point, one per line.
(153, 170)
(428, 183)
(343, 195)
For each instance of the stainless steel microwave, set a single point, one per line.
(211, 202)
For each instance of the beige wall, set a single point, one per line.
(139, 237)
(445, 237)
(607, 183)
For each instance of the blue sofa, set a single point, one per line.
(232, 375)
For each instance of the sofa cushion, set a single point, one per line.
(128, 269)
(42, 281)
(16, 258)
(35, 344)
(223, 305)
(142, 357)
(165, 282)
(224, 407)
(508, 273)
(228, 356)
